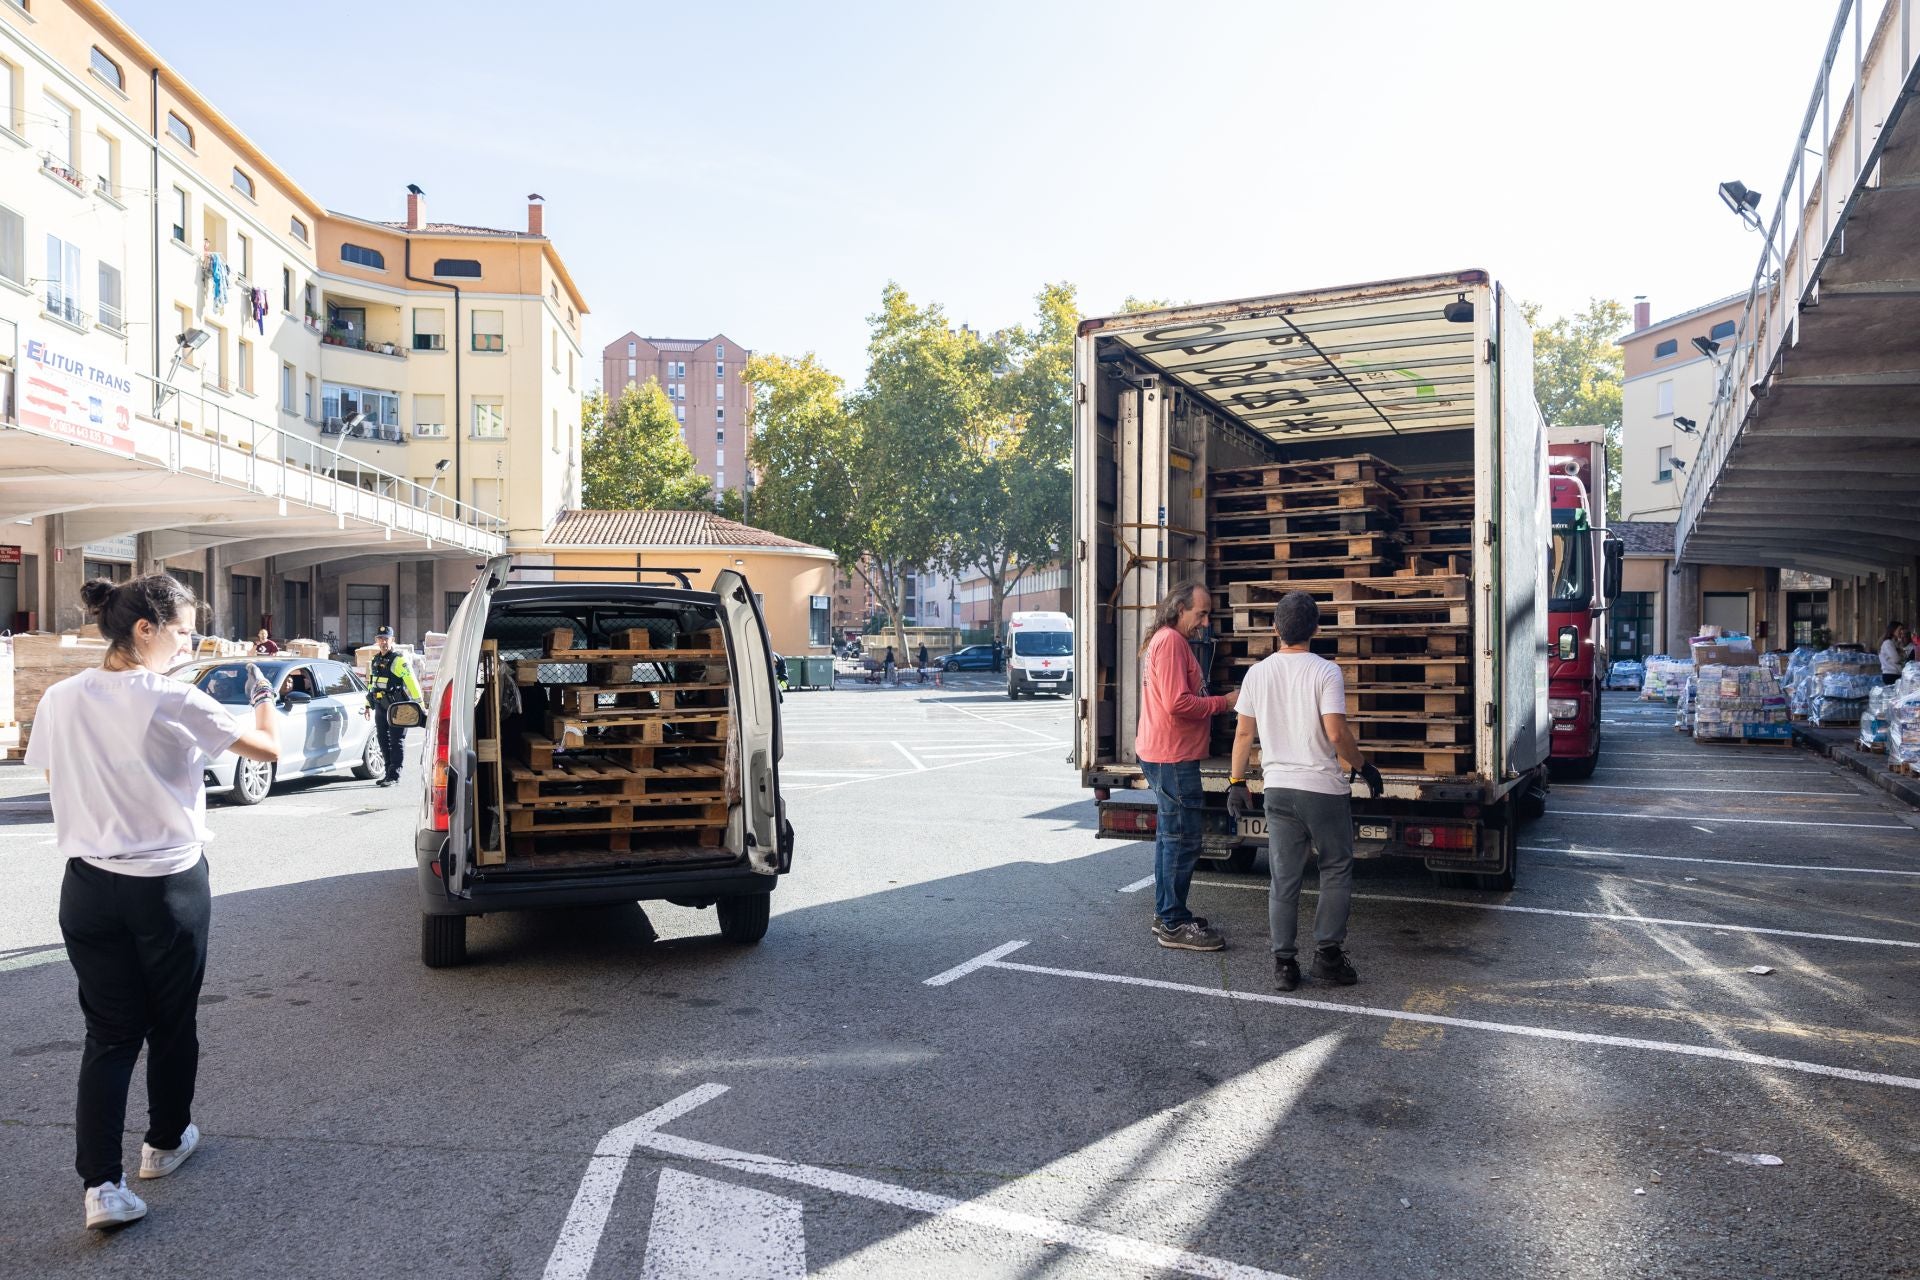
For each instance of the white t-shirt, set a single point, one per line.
(125, 754)
(1286, 694)
(1891, 656)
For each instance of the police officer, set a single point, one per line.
(389, 680)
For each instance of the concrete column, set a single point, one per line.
(67, 569)
(1683, 614)
(413, 601)
(219, 594)
(144, 561)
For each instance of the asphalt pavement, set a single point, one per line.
(958, 1051)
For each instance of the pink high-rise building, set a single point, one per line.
(702, 376)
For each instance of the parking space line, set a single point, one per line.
(1581, 915)
(573, 1253)
(978, 962)
(1138, 885)
(1705, 791)
(1762, 822)
(1775, 772)
(1721, 862)
(30, 959)
(992, 961)
(912, 759)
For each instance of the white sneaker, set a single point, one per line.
(111, 1205)
(155, 1163)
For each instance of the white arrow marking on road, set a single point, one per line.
(573, 1252)
(702, 1228)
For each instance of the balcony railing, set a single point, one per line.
(59, 168)
(111, 318)
(340, 338)
(385, 432)
(62, 307)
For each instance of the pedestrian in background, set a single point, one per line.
(125, 748)
(887, 667)
(1176, 721)
(1896, 649)
(920, 661)
(1295, 702)
(264, 646)
(389, 681)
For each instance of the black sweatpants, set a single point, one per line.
(393, 741)
(139, 945)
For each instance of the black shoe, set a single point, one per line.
(1286, 973)
(1330, 965)
(1188, 935)
(384, 782)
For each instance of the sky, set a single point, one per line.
(763, 170)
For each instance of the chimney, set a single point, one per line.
(416, 208)
(1642, 312)
(536, 215)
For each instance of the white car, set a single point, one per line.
(322, 725)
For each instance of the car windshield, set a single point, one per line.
(1570, 568)
(1043, 644)
(226, 682)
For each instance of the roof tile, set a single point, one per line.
(1645, 537)
(660, 529)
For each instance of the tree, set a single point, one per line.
(730, 504)
(631, 454)
(1577, 373)
(1013, 488)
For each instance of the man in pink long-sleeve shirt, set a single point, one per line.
(1176, 720)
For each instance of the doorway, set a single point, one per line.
(1731, 611)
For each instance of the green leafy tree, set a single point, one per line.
(1577, 373)
(731, 503)
(631, 454)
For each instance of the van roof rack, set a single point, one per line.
(684, 576)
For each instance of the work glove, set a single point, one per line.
(259, 688)
(1239, 801)
(1370, 775)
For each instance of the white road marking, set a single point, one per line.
(1138, 885)
(52, 955)
(991, 961)
(36, 807)
(1761, 822)
(933, 768)
(1776, 772)
(1720, 862)
(579, 1241)
(1580, 915)
(979, 961)
(703, 1228)
(1007, 720)
(1708, 791)
(912, 759)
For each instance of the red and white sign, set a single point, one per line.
(9, 555)
(65, 394)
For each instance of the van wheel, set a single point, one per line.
(743, 916)
(371, 761)
(443, 941)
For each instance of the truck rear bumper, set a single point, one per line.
(1443, 836)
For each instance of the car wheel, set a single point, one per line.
(372, 763)
(252, 780)
(744, 916)
(443, 941)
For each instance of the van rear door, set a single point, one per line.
(756, 712)
(456, 693)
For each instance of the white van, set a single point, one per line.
(1039, 653)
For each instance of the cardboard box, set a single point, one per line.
(1725, 655)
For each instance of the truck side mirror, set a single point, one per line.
(1615, 552)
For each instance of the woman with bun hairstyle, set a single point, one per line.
(125, 747)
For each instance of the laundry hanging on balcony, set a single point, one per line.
(258, 300)
(217, 276)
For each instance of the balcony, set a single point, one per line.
(66, 310)
(380, 432)
(53, 166)
(353, 342)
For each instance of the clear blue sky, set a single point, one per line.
(763, 169)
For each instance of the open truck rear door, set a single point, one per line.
(451, 754)
(756, 713)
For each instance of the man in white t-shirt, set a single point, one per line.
(1296, 701)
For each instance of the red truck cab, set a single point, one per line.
(1583, 574)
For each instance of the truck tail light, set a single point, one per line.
(1126, 819)
(1437, 836)
(1569, 647)
(443, 731)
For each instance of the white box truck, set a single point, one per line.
(1429, 380)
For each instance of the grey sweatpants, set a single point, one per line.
(1298, 821)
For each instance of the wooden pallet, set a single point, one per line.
(544, 851)
(592, 699)
(698, 814)
(1421, 699)
(1362, 614)
(1303, 499)
(1331, 521)
(1306, 546)
(1292, 572)
(1747, 742)
(1395, 642)
(606, 776)
(1344, 590)
(1401, 757)
(1410, 729)
(1359, 467)
(637, 727)
(1436, 488)
(541, 753)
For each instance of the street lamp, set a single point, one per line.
(1706, 347)
(185, 344)
(1687, 425)
(439, 469)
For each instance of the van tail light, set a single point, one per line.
(442, 732)
(1437, 836)
(1127, 819)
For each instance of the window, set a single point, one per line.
(59, 121)
(307, 404)
(223, 375)
(111, 314)
(361, 256)
(554, 288)
(13, 246)
(719, 372)
(181, 131)
(299, 230)
(720, 439)
(556, 350)
(242, 183)
(429, 329)
(243, 256)
(9, 96)
(245, 367)
(720, 414)
(457, 267)
(556, 431)
(1663, 398)
(719, 351)
(633, 367)
(179, 216)
(103, 162)
(286, 289)
(1665, 349)
(489, 418)
(486, 497)
(1663, 464)
(680, 370)
(489, 331)
(288, 380)
(820, 620)
(680, 412)
(109, 70)
(63, 281)
(633, 349)
(1722, 330)
(573, 377)
(336, 678)
(366, 613)
(340, 402)
(183, 321)
(719, 477)
(719, 391)
(429, 415)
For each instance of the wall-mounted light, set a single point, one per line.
(1459, 311)
(1706, 347)
(1687, 425)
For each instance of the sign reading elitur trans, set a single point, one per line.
(67, 395)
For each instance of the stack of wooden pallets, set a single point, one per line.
(633, 753)
(1386, 557)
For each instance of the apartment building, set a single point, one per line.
(157, 266)
(705, 378)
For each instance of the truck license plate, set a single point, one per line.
(1253, 828)
(1371, 831)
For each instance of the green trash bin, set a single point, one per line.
(810, 673)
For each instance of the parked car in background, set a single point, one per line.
(322, 728)
(975, 657)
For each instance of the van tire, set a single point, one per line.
(744, 916)
(443, 941)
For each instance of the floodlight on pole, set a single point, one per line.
(1687, 425)
(1706, 347)
(185, 343)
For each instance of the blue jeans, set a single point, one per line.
(1176, 841)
